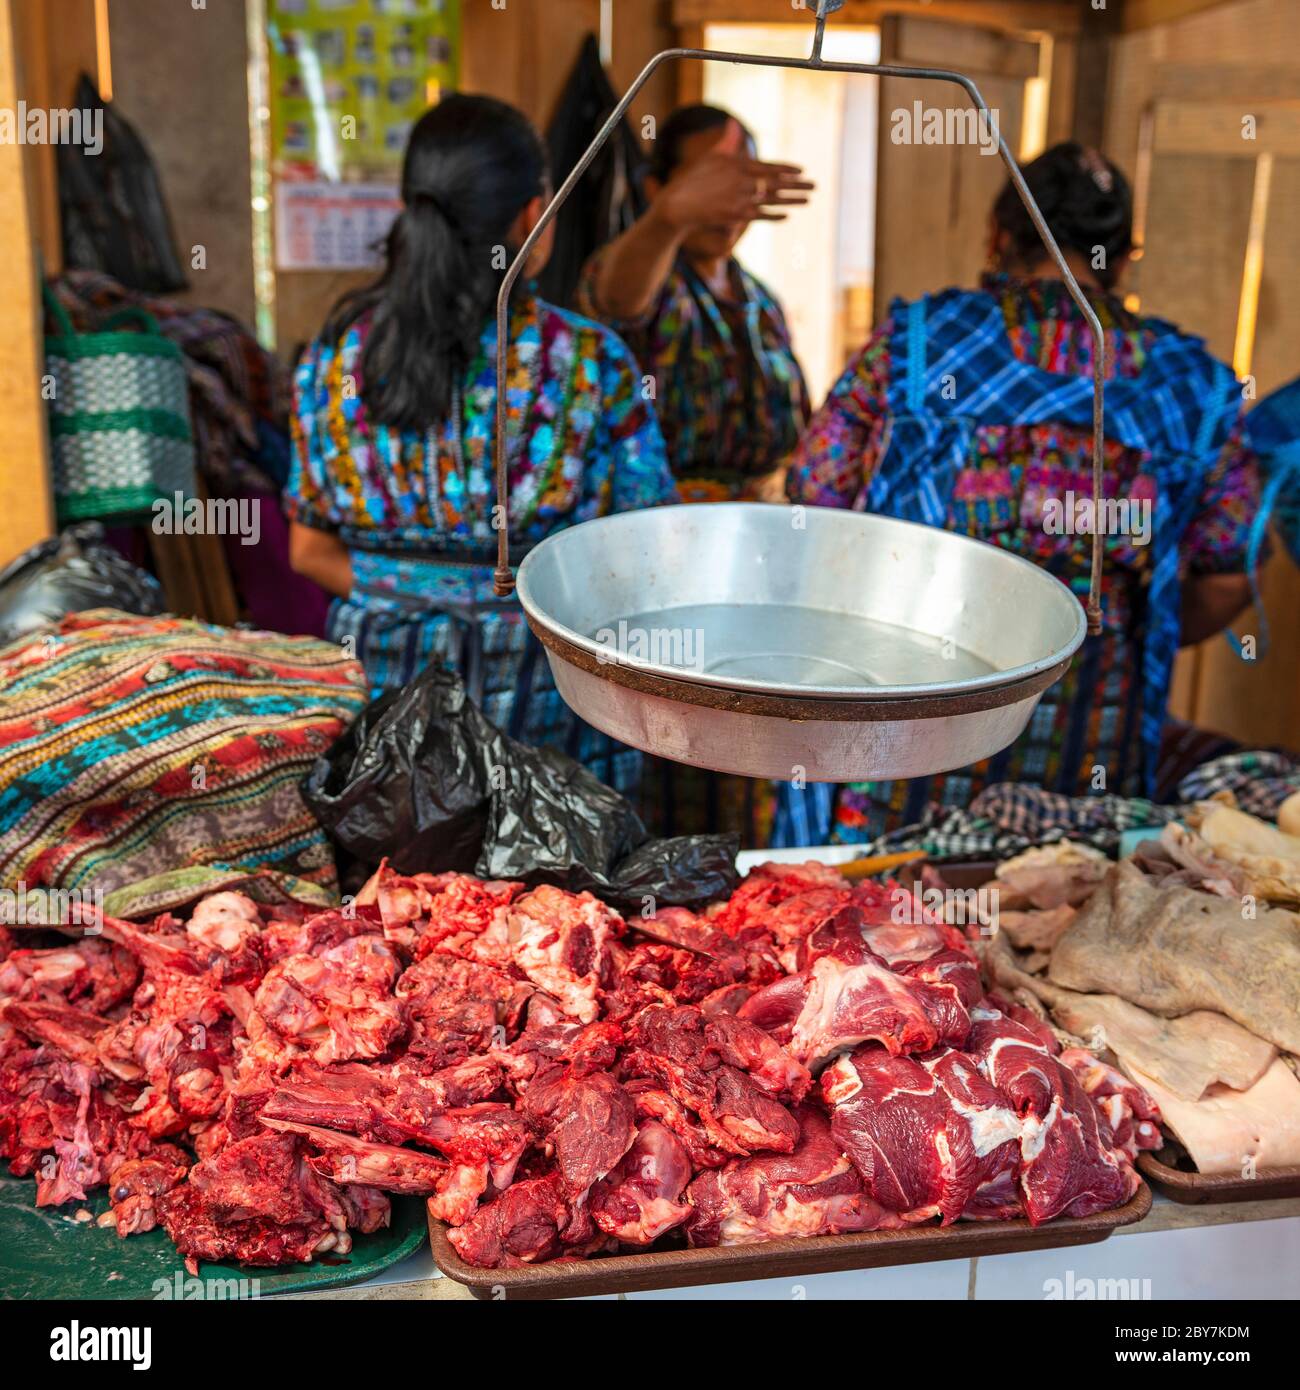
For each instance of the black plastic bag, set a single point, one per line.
(608, 198)
(111, 207)
(424, 779)
(72, 572)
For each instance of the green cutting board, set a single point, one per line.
(45, 1253)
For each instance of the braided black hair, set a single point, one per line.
(1086, 201)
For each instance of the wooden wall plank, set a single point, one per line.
(1062, 93)
(1197, 221)
(1143, 14)
(964, 48)
(1259, 701)
(179, 78)
(1239, 57)
(26, 504)
(1216, 128)
(933, 201)
(55, 43)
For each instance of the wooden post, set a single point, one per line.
(26, 501)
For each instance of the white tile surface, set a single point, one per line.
(946, 1279)
(1257, 1260)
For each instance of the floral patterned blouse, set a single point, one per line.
(730, 391)
(583, 441)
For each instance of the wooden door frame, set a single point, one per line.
(1074, 107)
(1053, 16)
(26, 496)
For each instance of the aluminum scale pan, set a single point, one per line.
(777, 642)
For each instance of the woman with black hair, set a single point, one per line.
(972, 410)
(392, 493)
(730, 392)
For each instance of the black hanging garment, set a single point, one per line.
(609, 198)
(112, 209)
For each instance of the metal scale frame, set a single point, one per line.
(766, 728)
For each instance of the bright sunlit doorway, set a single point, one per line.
(819, 261)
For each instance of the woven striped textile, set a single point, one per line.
(156, 759)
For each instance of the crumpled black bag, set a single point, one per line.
(424, 779)
(68, 574)
(112, 211)
(608, 198)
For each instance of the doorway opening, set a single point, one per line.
(819, 261)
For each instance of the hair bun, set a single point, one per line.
(1085, 200)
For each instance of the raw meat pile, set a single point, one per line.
(558, 1082)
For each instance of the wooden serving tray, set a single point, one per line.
(1181, 1185)
(724, 1264)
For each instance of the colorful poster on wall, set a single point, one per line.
(350, 77)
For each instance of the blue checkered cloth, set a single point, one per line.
(955, 371)
(1273, 428)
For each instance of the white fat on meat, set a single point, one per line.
(1034, 1132)
(840, 1081)
(224, 921)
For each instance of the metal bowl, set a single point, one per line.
(788, 641)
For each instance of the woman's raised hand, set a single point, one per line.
(727, 185)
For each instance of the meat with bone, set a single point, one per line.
(225, 922)
(91, 974)
(561, 942)
(587, 1121)
(459, 1008)
(756, 902)
(74, 1033)
(199, 1235)
(262, 1202)
(652, 1102)
(641, 1199)
(337, 1005)
(136, 1184)
(673, 1047)
(811, 1191)
(850, 995)
(523, 1225)
(483, 1145)
(348, 1159)
(555, 1082)
(450, 912)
